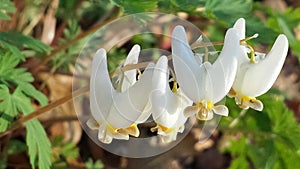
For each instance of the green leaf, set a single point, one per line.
(262, 155)
(14, 50)
(16, 146)
(3, 162)
(10, 74)
(67, 58)
(36, 138)
(62, 153)
(133, 6)
(14, 42)
(285, 23)
(180, 5)
(29, 90)
(228, 10)
(8, 108)
(6, 7)
(38, 145)
(92, 165)
(239, 163)
(273, 137)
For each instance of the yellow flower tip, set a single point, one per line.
(139, 73)
(112, 130)
(161, 128)
(174, 89)
(131, 130)
(210, 105)
(154, 129)
(247, 101)
(232, 93)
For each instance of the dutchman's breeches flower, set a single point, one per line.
(205, 83)
(117, 113)
(255, 76)
(167, 105)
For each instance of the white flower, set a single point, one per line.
(116, 114)
(256, 76)
(167, 104)
(205, 83)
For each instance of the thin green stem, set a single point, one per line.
(236, 120)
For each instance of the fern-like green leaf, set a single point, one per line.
(38, 144)
(15, 42)
(19, 101)
(6, 7)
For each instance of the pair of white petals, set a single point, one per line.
(117, 113)
(205, 83)
(232, 73)
(255, 79)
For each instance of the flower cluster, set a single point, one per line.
(117, 112)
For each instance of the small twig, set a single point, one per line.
(140, 65)
(236, 120)
(145, 64)
(51, 121)
(19, 123)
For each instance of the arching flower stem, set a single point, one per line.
(195, 45)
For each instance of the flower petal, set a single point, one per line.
(191, 110)
(254, 104)
(222, 73)
(166, 105)
(101, 88)
(130, 75)
(188, 72)
(221, 110)
(240, 26)
(128, 106)
(260, 76)
(92, 124)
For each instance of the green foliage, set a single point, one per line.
(180, 5)
(14, 42)
(16, 146)
(92, 165)
(67, 58)
(6, 7)
(285, 23)
(19, 100)
(269, 137)
(36, 138)
(62, 153)
(12, 147)
(114, 58)
(39, 147)
(133, 6)
(18, 78)
(10, 74)
(227, 10)
(13, 103)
